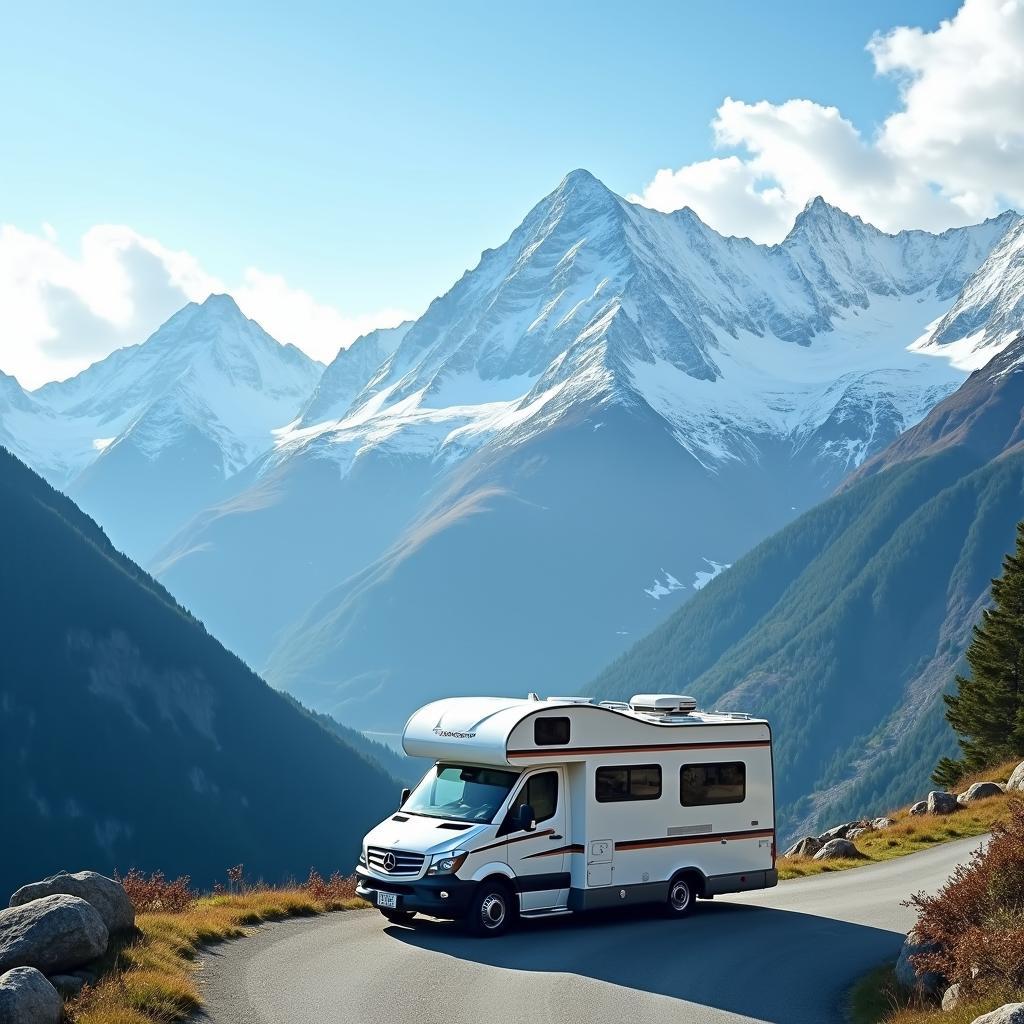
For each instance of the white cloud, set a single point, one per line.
(61, 312)
(952, 154)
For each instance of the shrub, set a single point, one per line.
(977, 917)
(156, 894)
(331, 891)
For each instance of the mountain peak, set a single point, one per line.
(222, 304)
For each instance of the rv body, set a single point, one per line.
(541, 807)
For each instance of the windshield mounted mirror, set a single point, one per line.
(403, 797)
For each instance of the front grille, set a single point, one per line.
(379, 859)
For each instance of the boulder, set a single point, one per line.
(107, 896)
(979, 791)
(837, 849)
(1011, 1013)
(951, 997)
(1016, 780)
(26, 997)
(854, 832)
(840, 831)
(941, 803)
(806, 847)
(67, 984)
(929, 982)
(921, 807)
(55, 934)
(883, 823)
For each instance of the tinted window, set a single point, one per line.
(460, 792)
(628, 782)
(703, 784)
(549, 732)
(541, 793)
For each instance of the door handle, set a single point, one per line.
(553, 838)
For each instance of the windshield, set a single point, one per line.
(460, 792)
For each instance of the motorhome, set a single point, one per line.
(540, 807)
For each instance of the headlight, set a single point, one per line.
(447, 863)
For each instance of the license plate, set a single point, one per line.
(387, 899)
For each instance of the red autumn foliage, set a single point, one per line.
(977, 917)
(156, 894)
(330, 890)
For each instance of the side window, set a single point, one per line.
(628, 782)
(703, 784)
(550, 732)
(541, 793)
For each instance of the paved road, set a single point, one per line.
(786, 956)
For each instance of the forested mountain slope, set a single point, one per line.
(845, 627)
(130, 737)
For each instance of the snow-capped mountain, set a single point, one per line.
(147, 437)
(611, 397)
(989, 311)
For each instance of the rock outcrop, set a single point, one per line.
(838, 849)
(105, 895)
(1016, 780)
(26, 997)
(54, 934)
(979, 791)
(806, 847)
(906, 973)
(1011, 1013)
(941, 803)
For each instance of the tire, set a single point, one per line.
(682, 896)
(399, 916)
(491, 910)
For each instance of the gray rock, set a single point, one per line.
(951, 997)
(67, 984)
(941, 803)
(979, 791)
(26, 997)
(1016, 780)
(836, 849)
(806, 847)
(840, 831)
(883, 823)
(55, 934)
(106, 895)
(854, 832)
(1011, 1013)
(929, 982)
(921, 807)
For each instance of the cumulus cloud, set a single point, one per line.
(951, 155)
(63, 311)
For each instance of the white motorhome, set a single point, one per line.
(541, 807)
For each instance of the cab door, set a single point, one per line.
(539, 858)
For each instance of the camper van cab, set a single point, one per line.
(541, 807)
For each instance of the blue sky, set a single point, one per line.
(368, 153)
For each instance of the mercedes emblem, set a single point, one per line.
(389, 861)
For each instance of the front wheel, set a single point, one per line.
(399, 916)
(490, 912)
(681, 897)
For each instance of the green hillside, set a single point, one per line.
(130, 737)
(845, 627)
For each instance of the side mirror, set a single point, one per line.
(404, 797)
(527, 819)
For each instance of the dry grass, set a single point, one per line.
(878, 998)
(913, 833)
(150, 977)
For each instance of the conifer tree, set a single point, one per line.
(987, 711)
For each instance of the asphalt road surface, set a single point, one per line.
(786, 955)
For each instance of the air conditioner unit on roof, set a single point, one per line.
(662, 704)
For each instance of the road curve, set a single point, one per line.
(787, 956)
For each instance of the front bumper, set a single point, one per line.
(421, 896)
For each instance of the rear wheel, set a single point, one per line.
(681, 896)
(491, 911)
(399, 916)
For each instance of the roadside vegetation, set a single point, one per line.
(972, 931)
(911, 833)
(150, 976)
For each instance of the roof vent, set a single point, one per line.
(662, 704)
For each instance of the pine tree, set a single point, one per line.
(987, 711)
